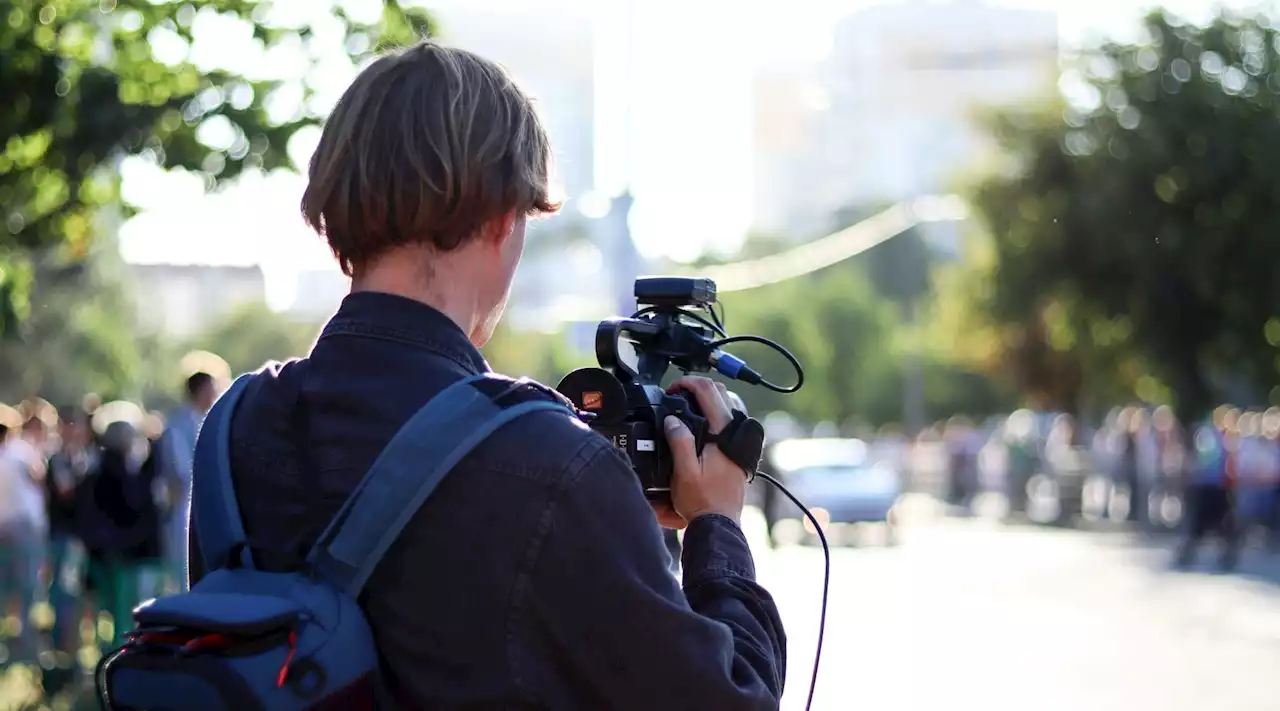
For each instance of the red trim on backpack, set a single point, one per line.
(284, 668)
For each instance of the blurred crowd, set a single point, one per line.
(1141, 465)
(93, 511)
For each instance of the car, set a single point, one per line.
(840, 483)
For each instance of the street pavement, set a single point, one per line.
(972, 614)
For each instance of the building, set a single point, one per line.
(788, 103)
(318, 294)
(903, 84)
(181, 300)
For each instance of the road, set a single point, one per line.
(969, 614)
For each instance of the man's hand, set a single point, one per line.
(708, 484)
(667, 516)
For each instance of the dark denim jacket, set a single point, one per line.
(535, 577)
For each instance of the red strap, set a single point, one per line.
(284, 668)
(214, 640)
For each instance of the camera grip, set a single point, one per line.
(742, 441)
(700, 428)
(684, 405)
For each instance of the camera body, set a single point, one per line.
(624, 399)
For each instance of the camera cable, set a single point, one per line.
(826, 579)
(739, 370)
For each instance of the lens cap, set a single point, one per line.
(597, 391)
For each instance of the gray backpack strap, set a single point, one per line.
(407, 471)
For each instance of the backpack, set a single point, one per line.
(248, 640)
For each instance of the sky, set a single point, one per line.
(687, 166)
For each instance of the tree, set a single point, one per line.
(840, 331)
(545, 357)
(74, 345)
(1134, 234)
(85, 86)
(850, 332)
(1056, 355)
(900, 268)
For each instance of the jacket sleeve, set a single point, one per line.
(601, 591)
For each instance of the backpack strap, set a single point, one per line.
(408, 470)
(214, 511)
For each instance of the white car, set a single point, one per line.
(840, 484)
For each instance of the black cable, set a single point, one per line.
(826, 580)
(718, 330)
(775, 346)
(714, 325)
(718, 317)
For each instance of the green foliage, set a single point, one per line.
(71, 345)
(755, 246)
(84, 87)
(399, 27)
(900, 269)
(1135, 240)
(832, 321)
(850, 338)
(545, 357)
(853, 346)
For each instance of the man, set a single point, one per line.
(176, 457)
(72, 464)
(1023, 459)
(1169, 454)
(23, 520)
(535, 576)
(1211, 498)
(120, 524)
(1131, 466)
(1271, 437)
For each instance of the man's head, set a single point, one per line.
(35, 430)
(201, 391)
(1271, 423)
(423, 179)
(39, 418)
(74, 427)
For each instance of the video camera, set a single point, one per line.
(676, 325)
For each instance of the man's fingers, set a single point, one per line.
(714, 406)
(723, 391)
(684, 456)
(736, 403)
(726, 396)
(667, 517)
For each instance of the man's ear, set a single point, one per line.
(499, 229)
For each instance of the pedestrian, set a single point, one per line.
(1211, 496)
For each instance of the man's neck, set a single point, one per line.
(441, 292)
